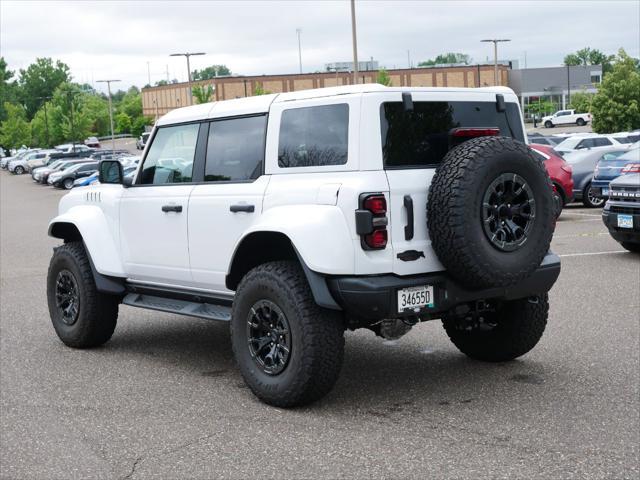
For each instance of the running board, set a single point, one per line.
(180, 307)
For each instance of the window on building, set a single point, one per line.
(596, 77)
(170, 157)
(314, 136)
(235, 149)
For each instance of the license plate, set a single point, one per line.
(415, 298)
(605, 191)
(625, 221)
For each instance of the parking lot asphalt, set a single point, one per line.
(163, 398)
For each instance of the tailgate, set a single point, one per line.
(412, 185)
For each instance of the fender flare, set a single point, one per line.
(92, 227)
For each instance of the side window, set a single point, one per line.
(170, 158)
(314, 136)
(587, 143)
(235, 149)
(601, 142)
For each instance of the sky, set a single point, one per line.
(129, 40)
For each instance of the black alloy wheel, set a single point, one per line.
(508, 212)
(67, 297)
(269, 337)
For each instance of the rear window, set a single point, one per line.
(314, 136)
(421, 137)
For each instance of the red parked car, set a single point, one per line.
(559, 171)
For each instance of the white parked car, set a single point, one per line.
(316, 221)
(586, 142)
(566, 117)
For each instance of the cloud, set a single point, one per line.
(117, 39)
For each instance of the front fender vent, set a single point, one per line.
(93, 197)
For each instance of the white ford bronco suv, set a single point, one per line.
(298, 215)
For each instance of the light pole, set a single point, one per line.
(46, 120)
(149, 73)
(108, 82)
(355, 41)
(298, 31)
(495, 55)
(187, 55)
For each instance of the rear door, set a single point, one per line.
(229, 200)
(413, 144)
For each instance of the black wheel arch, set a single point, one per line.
(262, 247)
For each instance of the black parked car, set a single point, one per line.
(65, 178)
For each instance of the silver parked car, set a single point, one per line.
(583, 163)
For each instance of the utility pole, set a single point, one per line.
(568, 89)
(355, 41)
(495, 55)
(149, 73)
(188, 55)
(298, 32)
(113, 138)
(408, 59)
(46, 119)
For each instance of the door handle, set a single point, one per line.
(242, 207)
(172, 208)
(408, 229)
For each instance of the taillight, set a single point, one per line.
(376, 204)
(377, 239)
(468, 132)
(631, 168)
(371, 221)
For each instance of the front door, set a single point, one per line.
(154, 211)
(230, 199)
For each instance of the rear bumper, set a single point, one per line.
(374, 297)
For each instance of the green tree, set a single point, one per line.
(616, 106)
(41, 127)
(210, 72)
(447, 58)
(202, 94)
(383, 78)
(139, 124)
(540, 108)
(131, 103)
(39, 80)
(96, 108)
(15, 131)
(581, 101)
(259, 90)
(68, 120)
(123, 123)
(8, 88)
(588, 56)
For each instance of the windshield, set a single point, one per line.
(421, 137)
(631, 156)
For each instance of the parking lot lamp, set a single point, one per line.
(298, 31)
(495, 55)
(113, 139)
(188, 55)
(46, 120)
(355, 41)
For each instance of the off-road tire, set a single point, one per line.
(18, 170)
(580, 122)
(520, 325)
(631, 246)
(587, 201)
(317, 336)
(548, 124)
(98, 312)
(455, 206)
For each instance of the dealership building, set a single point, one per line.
(553, 84)
(157, 101)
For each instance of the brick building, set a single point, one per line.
(157, 101)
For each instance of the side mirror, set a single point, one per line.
(110, 171)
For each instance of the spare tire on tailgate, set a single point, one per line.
(490, 212)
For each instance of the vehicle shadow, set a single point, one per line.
(380, 377)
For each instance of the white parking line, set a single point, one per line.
(583, 214)
(591, 253)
